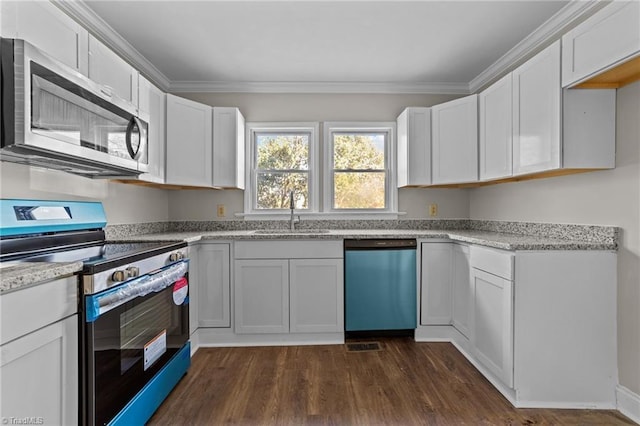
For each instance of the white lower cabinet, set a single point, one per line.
(39, 353)
(39, 375)
(435, 283)
(210, 272)
(294, 287)
(262, 296)
(316, 295)
(492, 323)
(461, 288)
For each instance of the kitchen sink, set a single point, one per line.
(290, 231)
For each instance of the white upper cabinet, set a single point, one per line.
(414, 147)
(496, 133)
(606, 39)
(189, 143)
(555, 128)
(153, 103)
(536, 123)
(117, 77)
(455, 141)
(45, 26)
(228, 148)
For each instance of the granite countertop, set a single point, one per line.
(498, 240)
(19, 275)
(22, 274)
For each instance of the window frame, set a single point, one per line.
(391, 191)
(250, 192)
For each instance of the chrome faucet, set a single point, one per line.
(292, 221)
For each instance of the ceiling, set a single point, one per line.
(220, 44)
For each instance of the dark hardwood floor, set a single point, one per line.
(406, 383)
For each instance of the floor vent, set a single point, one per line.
(363, 347)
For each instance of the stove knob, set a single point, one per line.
(133, 271)
(174, 257)
(119, 276)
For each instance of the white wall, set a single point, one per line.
(609, 197)
(122, 203)
(452, 203)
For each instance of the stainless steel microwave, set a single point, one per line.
(55, 117)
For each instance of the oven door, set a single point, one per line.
(131, 332)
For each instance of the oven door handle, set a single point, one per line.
(98, 304)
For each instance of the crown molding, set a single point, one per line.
(573, 13)
(319, 87)
(551, 30)
(79, 11)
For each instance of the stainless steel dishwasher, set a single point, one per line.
(380, 284)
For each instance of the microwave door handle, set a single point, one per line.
(134, 123)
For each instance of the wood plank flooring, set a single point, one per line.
(406, 383)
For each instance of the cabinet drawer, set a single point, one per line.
(496, 262)
(29, 309)
(279, 249)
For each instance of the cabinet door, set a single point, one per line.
(536, 116)
(213, 285)
(461, 288)
(492, 324)
(48, 28)
(316, 295)
(455, 141)
(496, 130)
(607, 38)
(189, 143)
(414, 147)
(39, 374)
(111, 71)
(228, 148)
(261, 296)
(435, 281)
(152, 102)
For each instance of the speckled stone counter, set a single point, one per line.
(24, 274)
(498, 240)
(496, 234)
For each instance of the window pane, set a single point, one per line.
(358, 150)
(274, 188)
(282, 151)
(359, 190)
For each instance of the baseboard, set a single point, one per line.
(220, 337)
(628, 403)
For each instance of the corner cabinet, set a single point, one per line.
(48, 28)
(414, 147)
(153, 103)
(113, 73)
(288, 287)
(189, 143)
(228, 148)
(455, 141)
(607, 39)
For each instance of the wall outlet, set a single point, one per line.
(433, 210)
(221, 210)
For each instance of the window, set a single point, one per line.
(282, 162)
(358, 175)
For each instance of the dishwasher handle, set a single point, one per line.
(381, 244)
